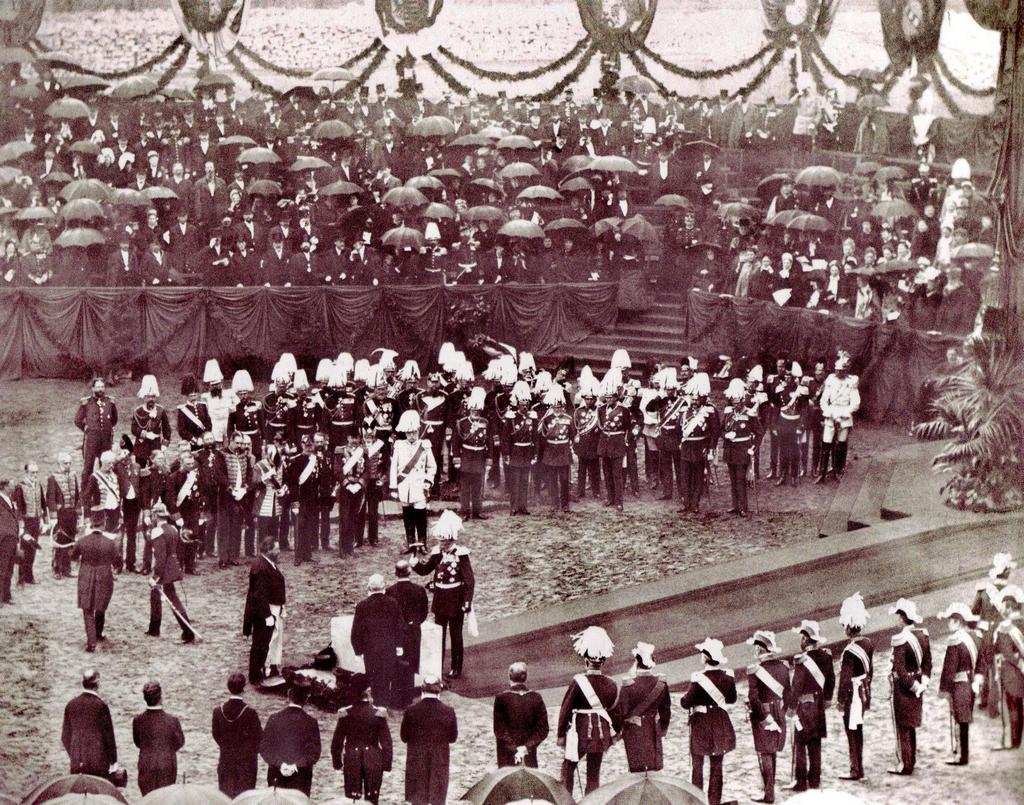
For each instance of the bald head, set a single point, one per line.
(517, 673)
(402, 569)
(90, 679)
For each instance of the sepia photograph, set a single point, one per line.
(495, 402)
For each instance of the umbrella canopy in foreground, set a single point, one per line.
(135, 87)
(271, 796)
(79, 237)
(433, 126)
(612, 164)
(86, 799)
(403, 237)
(332, 130)
(82, 209)
(68, 109)
(819, 176)
(651, 788)
(484, 212)
(521, 229)
(517, 783)
(186, 794)
(86, 188)
(71, 784)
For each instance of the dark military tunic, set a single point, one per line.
(644, 711)
(911, 664)
(362, 749)
(766, 696)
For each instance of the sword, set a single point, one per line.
(892, 714)
(998, 689)
(177, 614)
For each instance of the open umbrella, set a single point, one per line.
(79, 237)
(86, 188)
(57, 177)
(517, 783)
(341, 188)
(432, 126)
(674, 200)
(258, 156)
(894, 208)
(489, 184)
(819, 176)
(86, 799)
(518, 170)
(521, 229)
(177, 94)
(159, 193)
(306, 163)
(577, 184)
(438, 212)
(612, 164)
(640, 228)
(68, 109)
(425, 183)
(16, 55)
(484, 212)
(8, 173)
(14, 151)
(808, 222)
(494, 132)
(471, 141)
(332, 130)
(895, 267)
(866, 168)
(445, 173)
(576, 163)
(135, 87)
(301, 89)
(26, 92)
(405, 198)
(271, 796)
(215, 80)
(770, 185)
(85, 147)
(82, 209)
(637, 84)
(128, 197)
(973, 251)
(516, 142)
(186, 794)
(738, 209)
(264, 187)
(784, 217)
(237, 140)
(539, 192)
(72, 784)
(34, 214)
(607, 225)
(890, 172)
(701, 145)
(332, 74)
(403, 237)
(562, 224)
(648, 788)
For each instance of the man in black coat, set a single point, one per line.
(88, 732)
(429, 727)
(644, 711)
(361, 747)
(520, 721)
(163, 542)
(237, 731)
(159, 737)
(10, 528)
(291, 743)
(377, 632)
(412, 600)
(264, 606)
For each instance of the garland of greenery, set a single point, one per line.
(894, 73)
(113, 75)
(641, 69)
(525, 75)
(762, 75)
(847, 78)
(813, 69)
(701, 75)
(451, 81)
(254, 82)
(369, 70)
(570, 77)
(966, 89)
(173, 69)
(943, 92)
(290, 72)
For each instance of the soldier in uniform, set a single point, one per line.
(518, 446)
(767, 693)
(218, 404)
(63, 501)
(739, 432)
(471, 439)
(379, 409)
(960, 680)
(699, 429)
(303, 477)
(909, 677)
(340, 416)
(520, 721)
(98, 552)
(711, 732)
(454, 585)
(328, 491)
(429, 728)
(613, 422)
(211, 478)
(103, 494)
(151, 427)
(986, 606)
(554, 437)
(361, 747)
(412, 600)
(856, 670)
(812, 423)
(644, 710)
(264, 613)
(277, 406)
(432, 404)
(810, 692)
(163, 540)
(349, 471)
(631, 402)
(307, 414)
(791, 399)
(291, 742)
(1010, 662)
(585, 719)
(840, 400)
(185, 498)
(496, 403)
(96, 418)
(667, 439)
(193, 418)
(585, 441)
(410, 478)
(247, 417)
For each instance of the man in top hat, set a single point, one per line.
(454, 585)
(96, 418)
(644, 710)
(193, 417)
(856, 670)
(291, 742)
(986, 606)
(412, 474)
(237, 731)
(909, 677)
(520, 721)
(767, 692)
(810, 692)
(63, 501)
(699, 428)
(429, 727)
(361, 747)
(613, 422)
(414, 605)
(586, 725)
(1009, 645)
(960, 680)
(471, 439)
(264, 613)
(159, 737)
(711, 733)
(840, 400)
(518, 446)
(377, 636)
(97, 552)
(739, 432)
(163, 542)
(151, 427)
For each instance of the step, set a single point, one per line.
(643, 329)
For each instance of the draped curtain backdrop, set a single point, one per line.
(1007, 17)
(213, 27)
(20, 21)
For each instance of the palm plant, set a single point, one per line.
(979, 411)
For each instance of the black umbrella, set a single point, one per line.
(515, 783)
(71, 784)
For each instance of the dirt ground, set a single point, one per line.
(521, 564)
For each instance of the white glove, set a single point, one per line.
(288, 769)
(520, 754)
(270, 620)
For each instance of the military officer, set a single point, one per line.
(193, 418)
(307, 414)
(340, 402)
(670, 408)
(411, 476)
(96, 418)
(699, 429)
(186, 500)
(613, 421)
(909, 677)
(644, 710)
(840, 400)
(585, 439)
(554, 437)
(519, 446)
(810, 692)
(151, 426)
(361, 747)
(986, 607)
(304, 476)
(471, 439)
(960, 680)
(454, 585)
(791, 398)
(248, 416)
(1010, 662)
(856, 670)
(432, 403)
(218, 404)
(739, 431)
(767, 692)
(710, 692)
(379, 409)
(278, 405)
(163, 540)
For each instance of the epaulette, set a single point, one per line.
(381, 711)
(922, 630)
(85, 399)
(460, 551)
(435, 550)
(344, 711)
(628, 681)
(728, 671)
(981, 585)
(897, 639)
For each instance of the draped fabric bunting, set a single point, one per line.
(782, 18)
(617, 25)
(20, 21)
(213, 27)
(54, 332)
(911, 28)
(892, 361)
(1007, 17)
